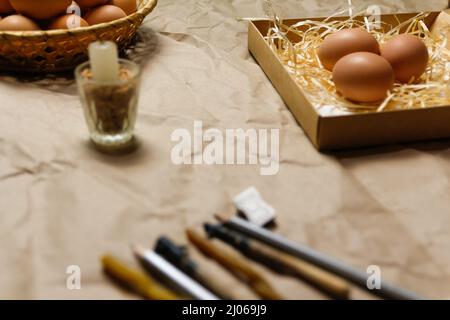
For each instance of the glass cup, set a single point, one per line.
(110, 108)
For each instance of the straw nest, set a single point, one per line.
(299, 55)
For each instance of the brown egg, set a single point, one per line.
(341, 43)
(129, 6)
(103, 14)
(5, 7)
(70, 21)
(42, 9)
(408, 55)
(90, 3)
(17, 22)
(363, 77)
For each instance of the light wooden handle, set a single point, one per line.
(324, 280)
(238, 267)
(217, 285)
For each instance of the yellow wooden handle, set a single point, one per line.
(136, 280)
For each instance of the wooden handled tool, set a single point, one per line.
(206, 277)
(327, 282)
(341, 269)
(179, 257)
(136, 280)
(171, 275)
(238, 267)
(282, 263)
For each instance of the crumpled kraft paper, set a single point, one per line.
(62, 203)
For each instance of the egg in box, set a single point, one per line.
(32, 15)
(343, 42)
(363, 77)
(364, 72)
(408, 56)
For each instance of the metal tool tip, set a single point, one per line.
(138, 249)
(222, 217)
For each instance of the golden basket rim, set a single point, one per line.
(143, 12)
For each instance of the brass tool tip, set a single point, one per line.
(222, 217)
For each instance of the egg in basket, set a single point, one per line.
(53, 35)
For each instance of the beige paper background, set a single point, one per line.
(63, 203)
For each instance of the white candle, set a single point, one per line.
(104, 60)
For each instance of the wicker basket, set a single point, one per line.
(62, 50)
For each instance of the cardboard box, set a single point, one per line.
(329, 132)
